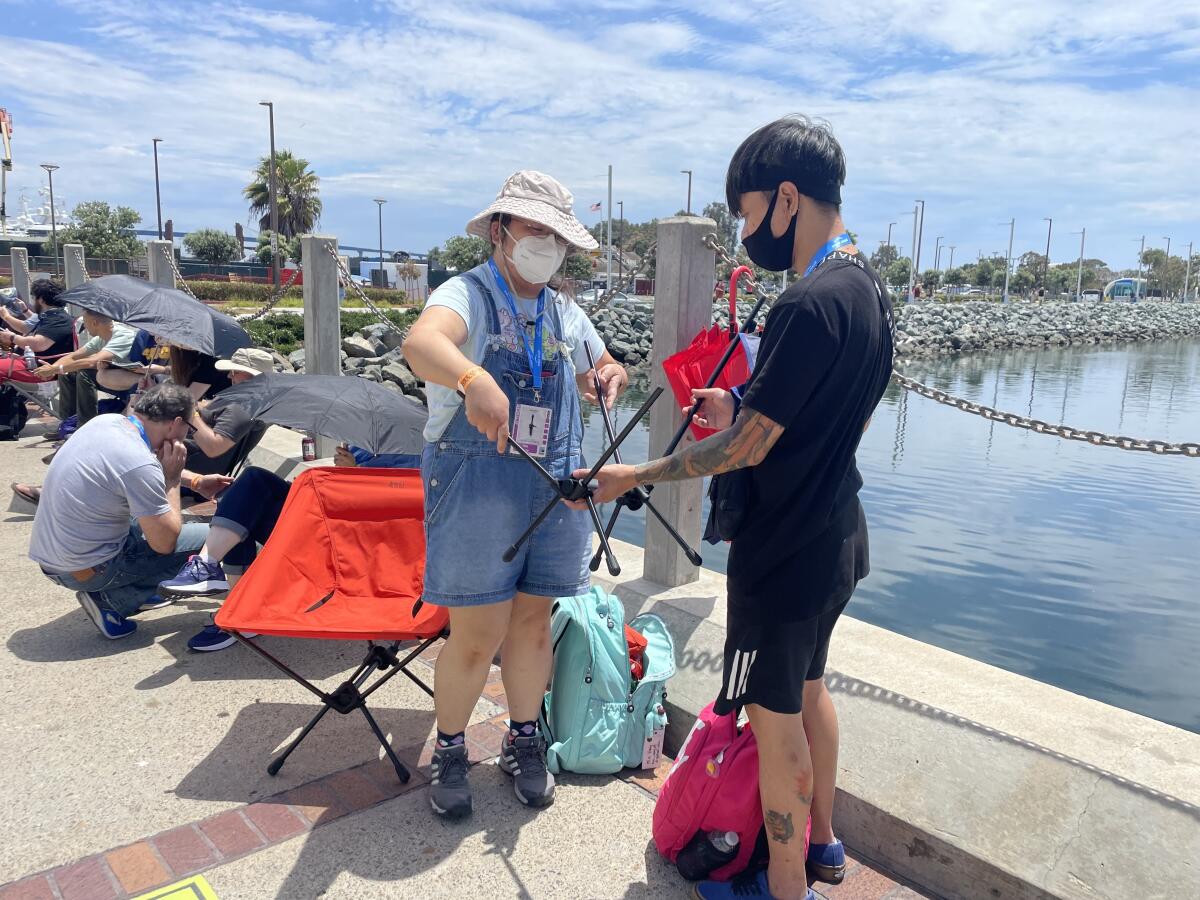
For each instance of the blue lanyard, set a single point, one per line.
(534, 353)
(141, 430)
(821, 255)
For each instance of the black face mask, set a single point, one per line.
(767, 251)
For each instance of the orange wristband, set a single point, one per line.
(468, 376)
(194, 484)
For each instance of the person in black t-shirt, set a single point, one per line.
(789, 443)
(53, 336)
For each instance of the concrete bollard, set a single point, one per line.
(322, 315)
(20, 272)
(158, 263)
(686, 273)
(76, 268)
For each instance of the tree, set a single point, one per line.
(884, 257)
(579, 267)
(931, 278)
(213, 246)
(1022, 282)
(289, 248)
(297, 189)
(105, 233)
(463, 253)
(897, 272)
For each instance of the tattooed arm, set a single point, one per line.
(746, 443)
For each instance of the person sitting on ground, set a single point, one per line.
(219, 435)
(52, 337)
(76, 371)
(245, 517)
(109, 526)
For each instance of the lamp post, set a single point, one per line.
(937, 253)
(688, 173)
(1012, 227)
(274, 196)
(1079, 276)
(912, 266)
(920, 233)
(1137, 284)
(621, 238)
(1187, 275)
(50, 167)
(382, 270)
(888, 242)
(157, 194)
(1046, 265)
(1162, 282)
(950, 267)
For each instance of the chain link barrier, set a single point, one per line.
(604, 299)
(345, 277)
(1066, 432)
(179, 280)
(275, 296)
(77, 252)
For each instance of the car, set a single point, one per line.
(975, 292)
(619, 298)
(1091, 296)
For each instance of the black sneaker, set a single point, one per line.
(449, 788)
(524, 758)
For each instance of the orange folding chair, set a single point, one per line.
(345, 562)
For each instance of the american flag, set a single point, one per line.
(595, 207)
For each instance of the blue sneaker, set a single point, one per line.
(210, 639)
(197, 578)
(742, 886)
(106, 621)
(826, 862)
(155, 602)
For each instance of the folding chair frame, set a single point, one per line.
(350, 694)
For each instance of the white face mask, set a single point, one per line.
(536, 259)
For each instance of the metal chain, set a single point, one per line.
(346, 278)
(1097, 438)
(179, 281)
(275, 296)
(78, 252)
(604, 299)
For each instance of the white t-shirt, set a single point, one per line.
(455, 295)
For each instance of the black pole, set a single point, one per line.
(157, 194)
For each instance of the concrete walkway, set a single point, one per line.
(132, 764)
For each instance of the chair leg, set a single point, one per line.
(401, 772)
(277, 763)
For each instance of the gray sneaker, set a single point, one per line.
(524, 758)
(449, 789)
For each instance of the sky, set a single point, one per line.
(989, 110)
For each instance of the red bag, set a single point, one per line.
(692, 366)
(637, 644)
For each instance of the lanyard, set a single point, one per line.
(534, 353)
(141, 430)
(821, 255)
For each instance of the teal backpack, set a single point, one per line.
(596, 719)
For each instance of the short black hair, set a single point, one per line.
(796, 149)
(166, 402)
(47, 292)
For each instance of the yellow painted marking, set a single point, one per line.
(194, 888)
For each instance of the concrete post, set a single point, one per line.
(322, 315)
(76, 270)
(158, 263)
(686, 273)
(20, 272)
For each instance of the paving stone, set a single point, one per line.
(184, 850)
(354, 790)
(85, 880)
(864, 883)
(36, 888)
(276, 820)
(315, 802)
(483, 740)
(231, 833)
(137, 867)
(649, 779)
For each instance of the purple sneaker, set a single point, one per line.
(197, 578)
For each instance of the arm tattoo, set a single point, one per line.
(779, 826)
(744, 444)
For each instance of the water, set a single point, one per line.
(1072, 564)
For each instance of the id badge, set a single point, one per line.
(652, 749)
(531, 428)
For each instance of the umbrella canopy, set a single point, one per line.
(166, 313)
(345, 408)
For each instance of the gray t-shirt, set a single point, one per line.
(100, 480)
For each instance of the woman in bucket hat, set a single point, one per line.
(502, 354)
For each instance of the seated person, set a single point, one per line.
(197, 372)
(76, 371)
(51, 338)
(148, 361)
(15, 314)
(245, 517)
(109, 526)
(218, 437)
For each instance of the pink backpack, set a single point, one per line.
(713, 785)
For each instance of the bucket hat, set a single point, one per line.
(539, 198)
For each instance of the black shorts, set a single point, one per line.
(767, 664)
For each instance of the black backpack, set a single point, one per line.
(13, 414)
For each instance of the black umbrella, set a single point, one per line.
(168, 314)
(343, 407)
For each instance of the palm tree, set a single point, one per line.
(299, 205)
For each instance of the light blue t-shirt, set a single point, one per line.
(455, 295)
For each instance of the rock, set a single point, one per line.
(372, 373)
(380, 347)
(620, 349)
(398, 374)
(358, 346)
(375, 332)
(392, 339)
(296, 358)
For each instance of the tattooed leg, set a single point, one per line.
(785, 782)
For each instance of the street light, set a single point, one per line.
(1012, 227)
(157, 195)
(1137, 284)
(937, 253)
(274, 197)
(917, 243)
(688, 173)
(1187, 275)
(1046, 265)
(1166, 268)
(382, 270)
(912, 265)
(49, 167)
(621, 238)
(888, 242)
(950, 267)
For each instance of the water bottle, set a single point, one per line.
(705, 853)
(31, 362)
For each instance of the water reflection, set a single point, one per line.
(1070, 563)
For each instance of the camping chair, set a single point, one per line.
(35, 391)
(345, 562)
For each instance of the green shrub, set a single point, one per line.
(254, 294)
(284, 332)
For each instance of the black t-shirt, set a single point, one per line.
(230, 421)
(56, 324)
(208, 373)
(823, 364)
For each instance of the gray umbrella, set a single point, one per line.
(168, 314)
(343, 407)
